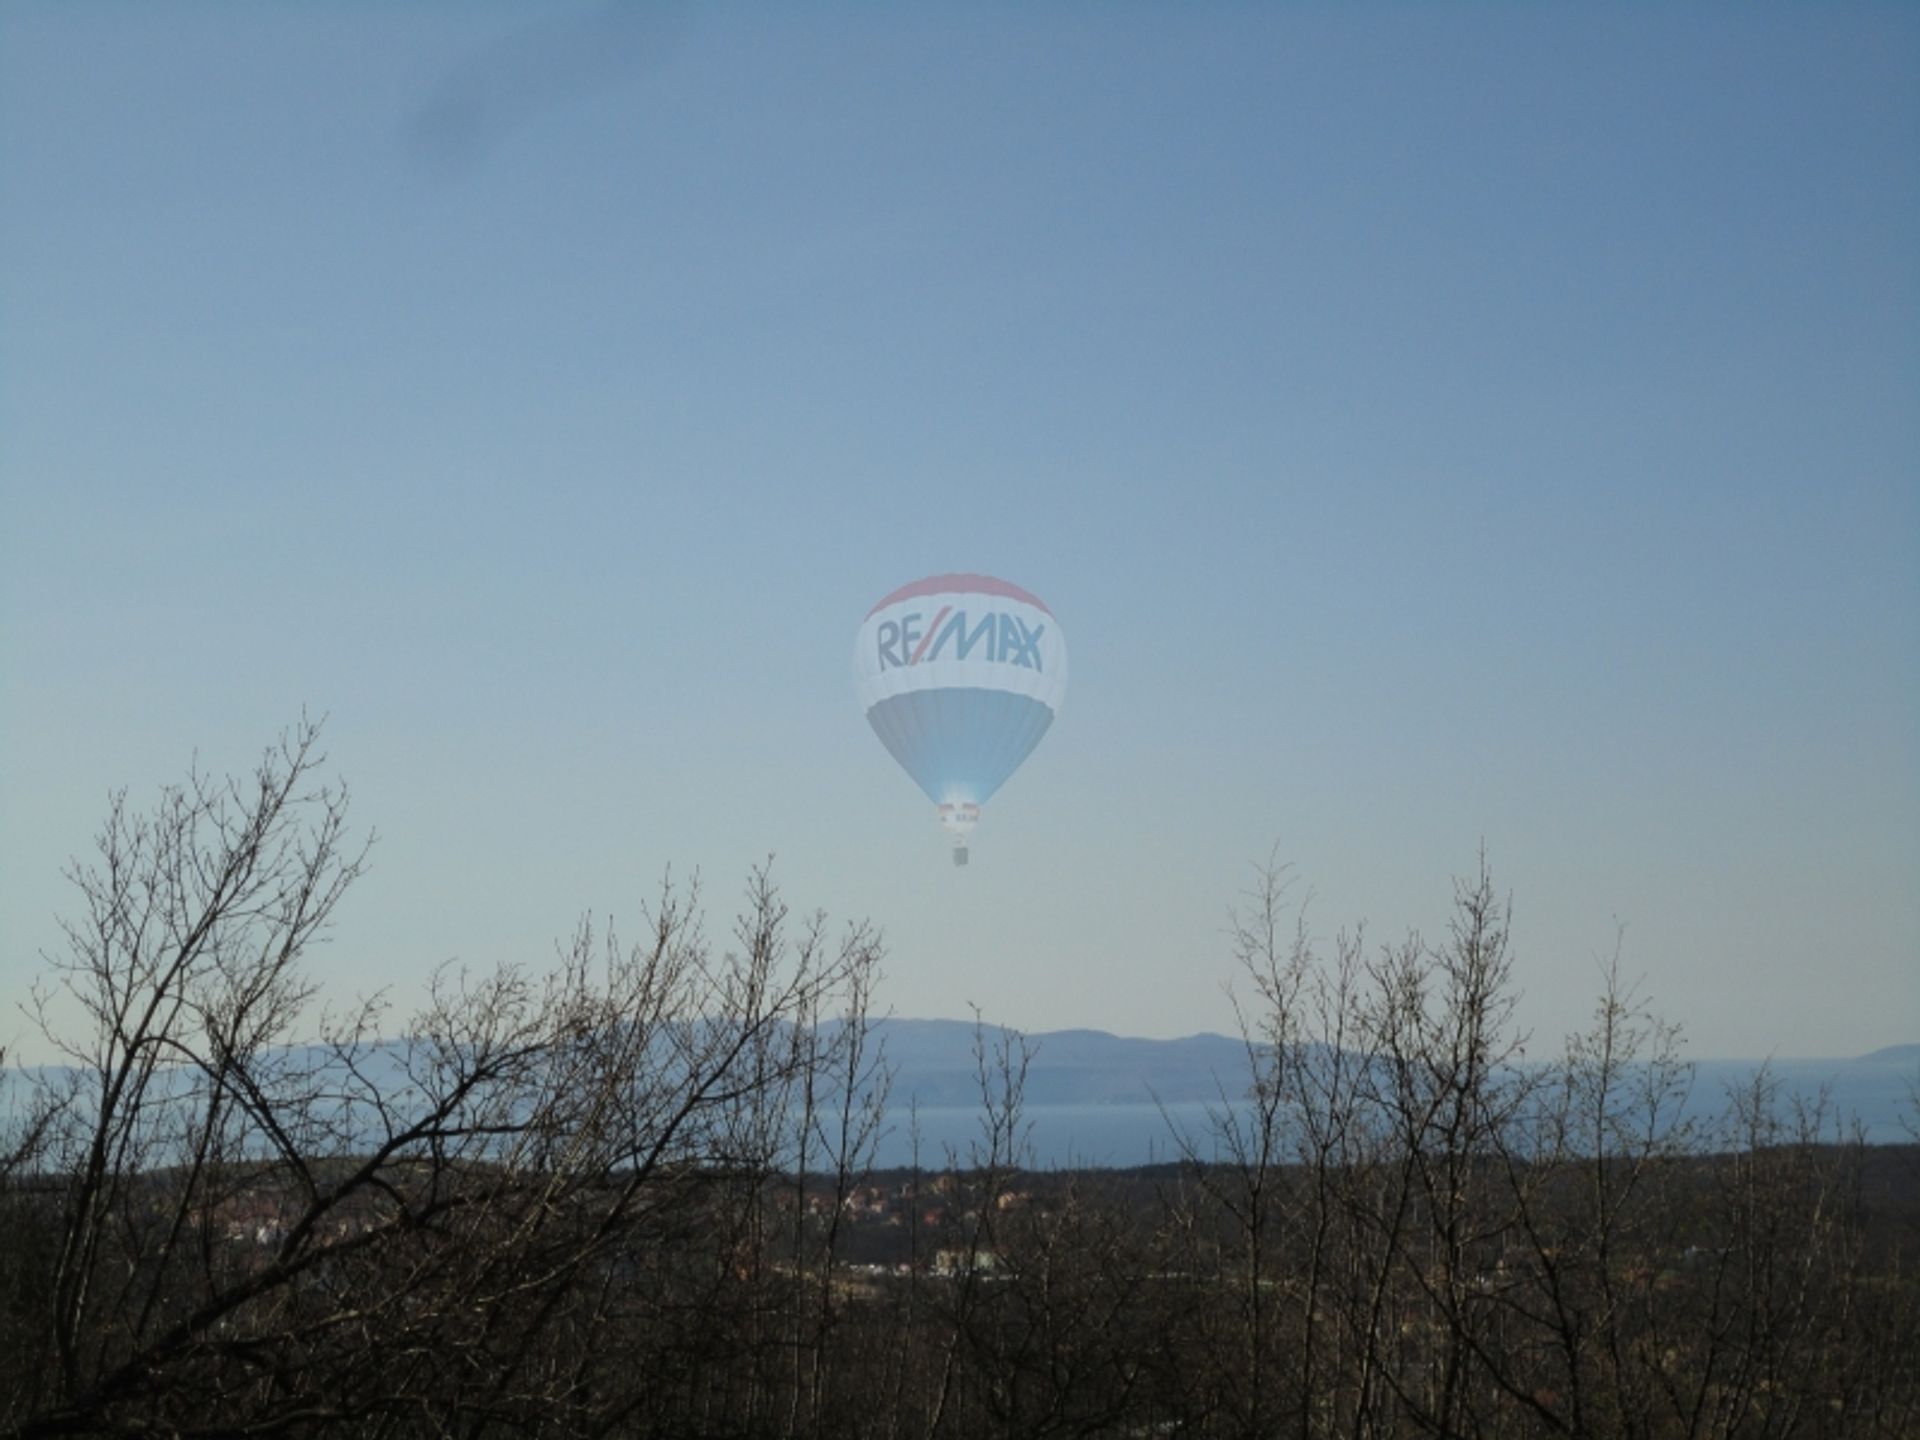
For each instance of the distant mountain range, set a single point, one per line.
(1121, 1100)
(934, 1060)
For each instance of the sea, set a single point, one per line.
(1838, 1098)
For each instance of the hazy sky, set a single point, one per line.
(1430, 425)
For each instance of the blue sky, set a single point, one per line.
(1430, 425)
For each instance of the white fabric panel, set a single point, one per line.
(937, 627)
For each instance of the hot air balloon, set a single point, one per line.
(960, 676)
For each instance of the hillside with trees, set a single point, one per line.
(634, 1194)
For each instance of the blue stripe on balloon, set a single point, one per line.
(960, 744)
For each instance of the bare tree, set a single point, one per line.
(262, 1219)
(623, 1193)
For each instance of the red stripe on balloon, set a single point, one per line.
(961, 584)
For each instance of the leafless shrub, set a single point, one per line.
(250, 1234)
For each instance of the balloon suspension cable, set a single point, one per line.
(959, 818)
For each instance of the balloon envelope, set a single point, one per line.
(960, 676)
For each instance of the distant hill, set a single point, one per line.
(1117, 1100)
(933, 1063)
